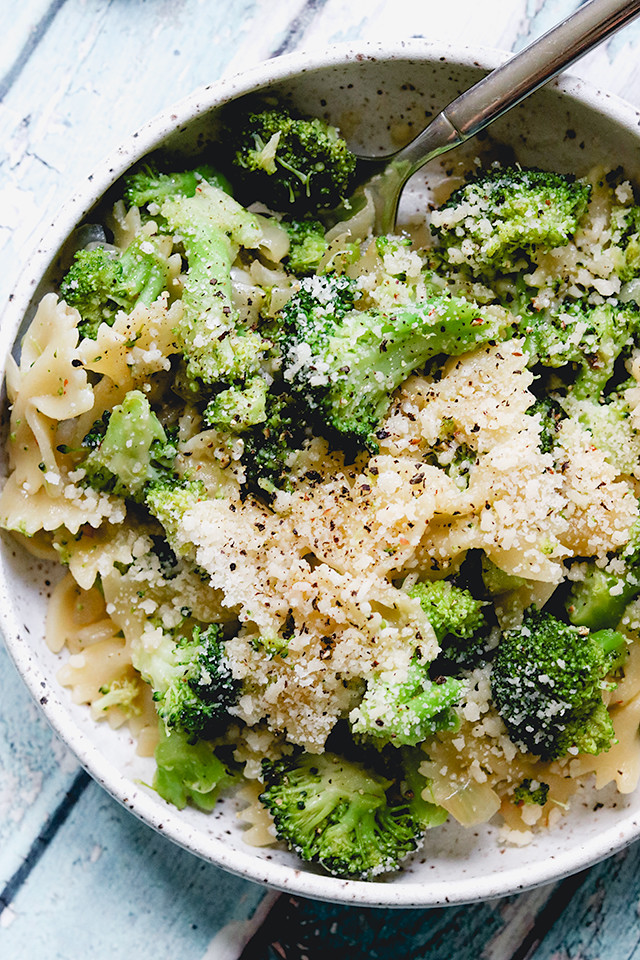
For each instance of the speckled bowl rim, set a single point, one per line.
(149, 809)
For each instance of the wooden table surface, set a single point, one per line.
(79, 876)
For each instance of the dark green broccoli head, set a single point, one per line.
(547, 685)
(531, 791)
(133, 451)
(290, 161)
(339, 814)
(456, 617)
(270, 447)
(307, 247)
(591, 338)
(344, 363)
(487, 224)
(192, 683)
(550, 413)
(187, 772)
(148, 184)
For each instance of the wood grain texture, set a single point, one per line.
(106, 883)
(36, 771)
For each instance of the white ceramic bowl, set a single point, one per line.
(369, 91)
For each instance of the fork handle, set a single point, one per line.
(507, 85)
(536, 64)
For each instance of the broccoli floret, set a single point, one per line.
(487, 224)
(598, 599)
(168, 499)
(270, 447)
(611, 426)
(123, 695)
(133, 452)
(147, 184)
(344, 363)
(239, 407)
(497, 581)
(133, 457)
(307, 247)
(101, 282)
(187, 772)
(212, 228)
(192, 683)
(592, 338)
(457, 619)
(272, 645)
(408, 711)
(342, 815)
(289, 161)
(550, 413)
(531, 791)
(547, 683)
(625, 235)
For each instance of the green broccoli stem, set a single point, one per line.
(375, 353)
(600, 599)
(187, 772)
(147, 185)
(212, 227)
(145, 272)
(613, 644)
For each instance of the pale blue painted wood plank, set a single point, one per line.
(100, 71)
(492, 23)
(21, 34)
(36, 770)
(108, 885)
(601, 921)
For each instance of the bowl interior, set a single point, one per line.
(379, 98)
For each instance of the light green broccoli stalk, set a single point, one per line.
(344, 363)
(598, 599)
(212, 227)
(188, 772)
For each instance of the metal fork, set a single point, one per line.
(484, 102)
